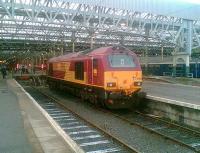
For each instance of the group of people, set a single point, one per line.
(23, 69)
(3, 71)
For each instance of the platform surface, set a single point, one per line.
(23, 127)
(184, 95)
(13, 138)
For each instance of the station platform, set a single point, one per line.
(23, 128)
(173, 92)
(12, 132)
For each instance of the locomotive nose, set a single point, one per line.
(124, 80)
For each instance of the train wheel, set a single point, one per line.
(97, 101)
(82, 96)
(93, 99)
(102, 103)
(51, 86)
(77, 93)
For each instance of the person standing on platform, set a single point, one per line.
(3, 72)
(23, 69)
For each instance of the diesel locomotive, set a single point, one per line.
(110, 76)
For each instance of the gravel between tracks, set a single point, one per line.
(134, 136)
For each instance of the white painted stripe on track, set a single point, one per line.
(105, 150)
(175, 102)
(49, 109)
(59, 130)
(49, 104)
(94, 143)
(57, 111)
(59, 117)
(87, 137)
(59, 114)
(159, 128)
(70, 123)
(75, 127)
(195, 144)
(80, 132)
(65, 119)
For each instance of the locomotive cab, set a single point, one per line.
(122, 77)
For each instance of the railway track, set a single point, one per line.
(89, 137)
(133, 119)
(177, 133)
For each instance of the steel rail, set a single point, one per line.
(195, 132)
(59, 102)
(137, 124)
(156, 132)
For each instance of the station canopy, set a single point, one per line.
(38, 26)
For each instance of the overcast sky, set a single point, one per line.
(189, 1)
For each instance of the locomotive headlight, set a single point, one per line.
(137, 83)
(111, 84)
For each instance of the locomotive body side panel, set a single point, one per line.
(58, 70)
(77, 71)
(68, 73)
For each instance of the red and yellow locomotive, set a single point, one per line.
(107, 75)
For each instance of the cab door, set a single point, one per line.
(93, 70)
(96, 72)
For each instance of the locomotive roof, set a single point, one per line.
(64, 57)
(86, 53)
(104, 50)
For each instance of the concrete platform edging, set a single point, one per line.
(171, 82)
(181, 112)
(174, 102)
(175, 84)
(59, 130)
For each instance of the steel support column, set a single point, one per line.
(188, 36)
(147, 31)
(73, 39)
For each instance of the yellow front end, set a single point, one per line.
(127, 82)
(121, 86)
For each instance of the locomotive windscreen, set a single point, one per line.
(121, 60)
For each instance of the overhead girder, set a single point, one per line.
(43, 20)
(81, 35)
(62, 31)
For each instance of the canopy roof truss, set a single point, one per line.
(64, 21)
